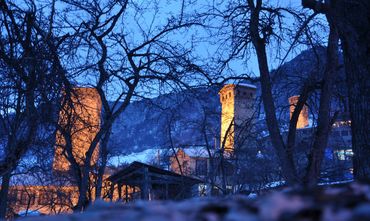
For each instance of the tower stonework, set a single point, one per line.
(303, 115)
(238, 108)
(80, 119)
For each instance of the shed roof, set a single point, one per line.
(134, 172)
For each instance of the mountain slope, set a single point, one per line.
(146, 124)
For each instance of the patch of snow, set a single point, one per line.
(248, 85)
(144, 157)
(275, 184)
(29, 213)
(335, 182)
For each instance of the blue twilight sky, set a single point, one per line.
(209, 44)
(143, 18)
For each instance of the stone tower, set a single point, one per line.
(303, 116)
(81, 119)
(238, 108)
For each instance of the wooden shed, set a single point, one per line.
(151, 183)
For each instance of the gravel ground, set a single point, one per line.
(345, 203)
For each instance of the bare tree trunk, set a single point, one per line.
(285, 157)
(324, 118)
(103, 156)
(351, 18)
(221, 164)
(83, 188)
(211, 173)
(4, 194)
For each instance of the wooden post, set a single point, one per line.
(145, 185)
(133, 193)
(111, 192)
(126, 193)
(119, 191)
(166, 191)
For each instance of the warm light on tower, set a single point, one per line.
(303, 115)
(237, 108)
(81, 118)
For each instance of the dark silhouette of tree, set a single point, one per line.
(261, 25)
(351, 19)
(125, 68)
(28, 86)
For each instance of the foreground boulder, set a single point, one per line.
(339, 203)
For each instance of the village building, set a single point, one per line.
(237, 115)
(192, 161)
(241, 150)
(303, 115)
(240, 162)
(60, 195)
(136, 181)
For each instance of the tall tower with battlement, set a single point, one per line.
(79, 121)
(238, 109)
(303, 115)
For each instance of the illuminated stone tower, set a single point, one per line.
(303, 116)
(81, 119)
(238, 108)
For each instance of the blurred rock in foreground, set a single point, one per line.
(350, 202)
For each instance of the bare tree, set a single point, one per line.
(28, 82)
(261, 25)
(123, 68)
(350, 19)
(325, 120)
